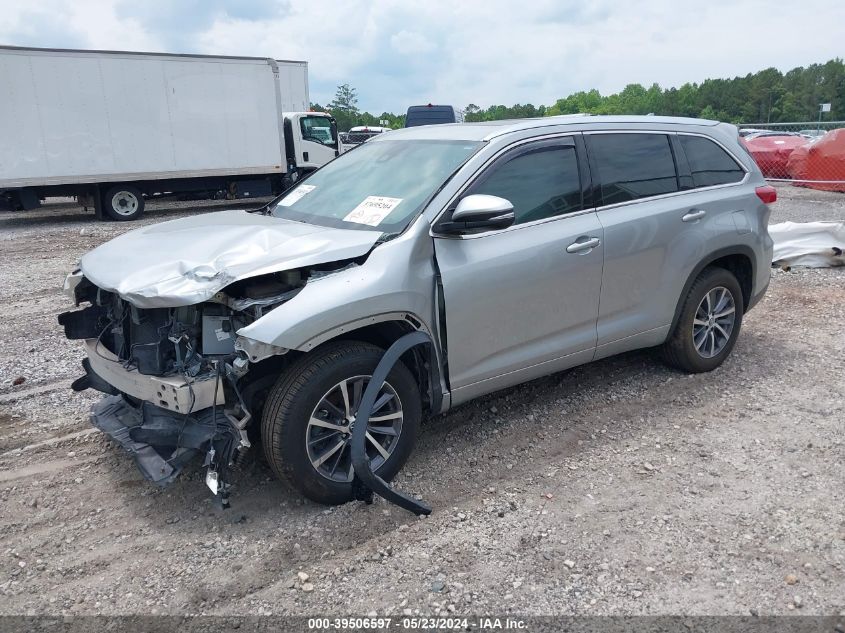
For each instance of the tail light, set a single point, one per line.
(767, 194)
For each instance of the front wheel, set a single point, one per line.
(123, 203)
(310, 413)
(709, 323)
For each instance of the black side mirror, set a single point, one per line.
(479, 212)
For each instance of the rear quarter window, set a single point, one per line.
(632, 166)
(710, 164)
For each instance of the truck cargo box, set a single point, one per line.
(71, 117)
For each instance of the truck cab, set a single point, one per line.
(310, 141)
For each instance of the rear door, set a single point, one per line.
(523, 301)
(657, 227)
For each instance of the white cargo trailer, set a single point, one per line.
(112, 128)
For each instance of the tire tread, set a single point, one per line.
(276, 417)
(674, 351)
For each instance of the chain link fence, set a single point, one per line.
(807, 154)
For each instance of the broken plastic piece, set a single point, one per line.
(360, 462)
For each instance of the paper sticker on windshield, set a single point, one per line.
(372, 210)
(296, 195)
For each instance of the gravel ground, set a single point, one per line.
(800, 204)
(621, 487)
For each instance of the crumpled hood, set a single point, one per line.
(187, 261)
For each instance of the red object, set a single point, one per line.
(767, 194)
(772, 153)
(822, 160)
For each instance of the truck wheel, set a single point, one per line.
(709, 324)
(123, 203)
(310, 412)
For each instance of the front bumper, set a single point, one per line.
(162, 442)
(174, 393)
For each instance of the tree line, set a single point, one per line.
(344, 108)
(767, 96)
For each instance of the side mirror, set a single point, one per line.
(479, 212)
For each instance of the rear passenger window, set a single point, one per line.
(632, 166)
(540, 184)
(709, 163)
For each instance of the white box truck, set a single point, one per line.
(113, 128)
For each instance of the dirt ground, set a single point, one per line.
(621, 487)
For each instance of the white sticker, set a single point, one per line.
(212, 480)
(779, 142)
(296, 194)
(222, 335)
(372, 210)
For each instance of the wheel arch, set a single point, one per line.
(422, 361)
(382, 331)
(739, 260)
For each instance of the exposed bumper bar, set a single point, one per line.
(174, 393)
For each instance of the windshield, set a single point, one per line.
(379, 187)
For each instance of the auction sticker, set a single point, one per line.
(372, 210)
(296, 194)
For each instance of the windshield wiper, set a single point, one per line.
(265, 210)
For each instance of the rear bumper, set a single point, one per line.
(161, 441)
(755, 299)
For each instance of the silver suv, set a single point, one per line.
(517, 248)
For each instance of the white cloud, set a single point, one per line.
(411, 43)
(398, 53)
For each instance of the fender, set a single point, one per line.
(738, 249)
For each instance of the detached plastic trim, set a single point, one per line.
(360, 462)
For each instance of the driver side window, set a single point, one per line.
(317, 129)
(540, 183)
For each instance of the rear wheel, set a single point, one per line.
(310, 414)
(709, 323)
(123, 203)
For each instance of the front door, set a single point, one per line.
(522, 302)
(319, 143)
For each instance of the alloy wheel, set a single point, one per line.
(714, 322)
(330, 428)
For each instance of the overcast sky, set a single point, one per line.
(398, 53)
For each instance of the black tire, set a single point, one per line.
(123, 203)
(679, 350)
(297, 393)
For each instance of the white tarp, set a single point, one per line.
(809, 244)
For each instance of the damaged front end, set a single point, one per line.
(177, 380)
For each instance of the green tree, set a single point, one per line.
(345, 99)
(472, 113)
(764, 96)
(344, 108)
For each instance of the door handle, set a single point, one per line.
(693, 215)
(580, 247)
